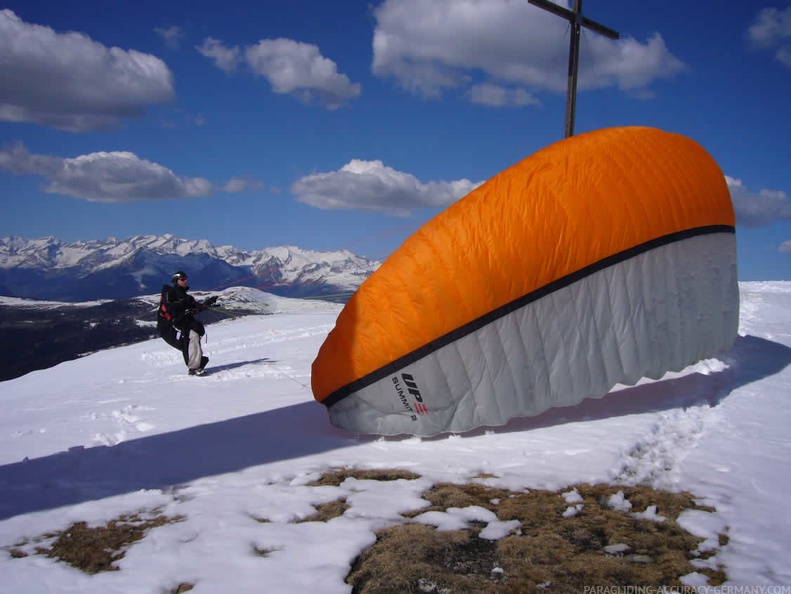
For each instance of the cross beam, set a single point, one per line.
(577, 21)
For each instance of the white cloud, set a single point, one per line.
(68, 81)
(225, 58)
(240, 184)
(291, 67)
(299, 69)
(758, 209)
(498, 96)
(103, 176)
(785, 247)
(631, 65)
(771, 29)
(372, 186)
(172, 36)
(783, 55)
(430, 46)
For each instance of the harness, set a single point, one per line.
(164, 311)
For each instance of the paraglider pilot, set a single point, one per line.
(177, 324)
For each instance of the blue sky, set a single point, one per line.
(349, 124)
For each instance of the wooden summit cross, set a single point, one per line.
(577, 21)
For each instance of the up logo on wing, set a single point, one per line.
(411, 386)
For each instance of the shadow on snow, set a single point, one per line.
(166, 460)
(212, 369)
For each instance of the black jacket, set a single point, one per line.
(182, 306)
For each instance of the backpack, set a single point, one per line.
(164, 312)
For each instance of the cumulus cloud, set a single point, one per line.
(172, 36)
(291, 67)
(498, 96)
(299, 69)
(109, 176)
(372, 186)
(758, 209)
(241, 184)
(225, 58)
(70, 82)
(431, 46)
(771, 29)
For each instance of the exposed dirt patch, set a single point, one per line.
(97, 548)
(334, 478)
(326, 511)
(562, 544)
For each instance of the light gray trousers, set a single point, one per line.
(195, 352)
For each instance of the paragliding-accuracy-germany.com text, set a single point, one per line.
(687, 589)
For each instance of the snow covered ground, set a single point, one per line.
(126, 429)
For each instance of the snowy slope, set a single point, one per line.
(126, 429)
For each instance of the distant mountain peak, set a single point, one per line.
(110, 268)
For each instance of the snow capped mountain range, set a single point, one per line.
(48, 268)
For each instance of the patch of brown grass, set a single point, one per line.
(262, 552)
(444, 495)
(334, 478)
(417, 558)
(548, 550)
(16, 552)
(326, 511)
(95, 549)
